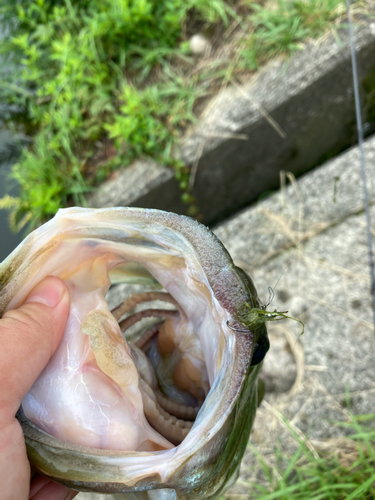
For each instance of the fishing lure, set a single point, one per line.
(255, 317)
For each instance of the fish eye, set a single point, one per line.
(260, 350)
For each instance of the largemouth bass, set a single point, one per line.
(167, 414)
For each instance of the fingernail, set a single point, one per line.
(50, 291)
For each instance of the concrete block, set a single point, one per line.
(145, 183)
(291, 116)
(311, 241)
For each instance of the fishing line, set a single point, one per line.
(271, 291)
(362, 155)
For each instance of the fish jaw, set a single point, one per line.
(203, 463)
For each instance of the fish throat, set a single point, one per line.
(173, 383)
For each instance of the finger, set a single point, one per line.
(29, 336)
(42, 488)
(37, 483)
(51, 490)
(14, 466)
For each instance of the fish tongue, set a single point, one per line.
(111, 351)
(113, 357)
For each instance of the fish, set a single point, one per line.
(150, 403)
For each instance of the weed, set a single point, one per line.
(79, 63)
(283, 27)
(101, 82)
(344, 471)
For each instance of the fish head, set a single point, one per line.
(169, 407)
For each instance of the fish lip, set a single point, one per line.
(51, 449)
(229, 288)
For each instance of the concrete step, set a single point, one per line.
(291, 116)
(310, 239)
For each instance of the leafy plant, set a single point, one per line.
(79, 63)
(97, 83)
(283, 26)
(331, 475)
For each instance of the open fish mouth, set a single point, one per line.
(128, 403)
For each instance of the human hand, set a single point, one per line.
(29, 336)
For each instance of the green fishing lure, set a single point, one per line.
(254, 317)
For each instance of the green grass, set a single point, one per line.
(102, 82)
(284, 26)
(345, 473)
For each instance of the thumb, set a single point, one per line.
(29, 336)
